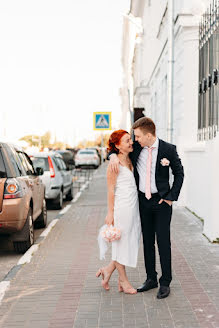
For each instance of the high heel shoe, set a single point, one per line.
(104, 282)
(126, 290)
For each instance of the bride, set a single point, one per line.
(123, 213)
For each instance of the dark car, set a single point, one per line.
(22, 197)
(68, 158)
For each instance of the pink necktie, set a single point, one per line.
(148, 173)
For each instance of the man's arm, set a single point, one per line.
(109, 154)
(178, 173)
(114, 162)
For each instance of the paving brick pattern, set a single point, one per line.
(58, 289)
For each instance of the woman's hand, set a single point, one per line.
(109, 220)
(114, 163)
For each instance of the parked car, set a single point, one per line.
(22, 197)
(87, 158)
(98, 151)
(56, 177)
(68, 158)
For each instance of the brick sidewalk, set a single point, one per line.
(59, 288)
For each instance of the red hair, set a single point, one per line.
(114, 140)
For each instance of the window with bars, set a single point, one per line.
(208, 111)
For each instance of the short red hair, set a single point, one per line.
(114, 140)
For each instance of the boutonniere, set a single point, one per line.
(165, 162)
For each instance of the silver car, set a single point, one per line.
(87, 157)
(56, 177)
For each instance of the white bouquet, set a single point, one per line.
(107, 234)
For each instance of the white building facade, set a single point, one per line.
(147, 69)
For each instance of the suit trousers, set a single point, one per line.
(155, 222)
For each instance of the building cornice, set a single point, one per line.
(137, 8)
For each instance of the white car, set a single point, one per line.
(87, 157)
(56, 177)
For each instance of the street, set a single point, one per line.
(58, 288)
(109, 143)
(8, 257)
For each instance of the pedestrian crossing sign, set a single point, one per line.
(102, 120)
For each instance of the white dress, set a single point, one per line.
(127, 219)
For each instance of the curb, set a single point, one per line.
(26, 258)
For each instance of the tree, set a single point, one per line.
(59, 145)
(45, 140)
(105, 140)
(32, 140)
(97, 142)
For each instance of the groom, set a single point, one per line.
(152, 158)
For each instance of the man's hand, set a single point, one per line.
(114, 163)
(109, 220)
(169, 202)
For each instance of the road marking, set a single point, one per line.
(84, 186)
(95, 173)
(49, 228)
(4, 285)
(65, 209)
(27, 256)
(76, 197)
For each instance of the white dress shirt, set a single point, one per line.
(142, 164)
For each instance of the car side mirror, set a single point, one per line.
(39, 171)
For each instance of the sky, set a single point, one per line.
(60, 61)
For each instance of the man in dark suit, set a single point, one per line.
(152, 158)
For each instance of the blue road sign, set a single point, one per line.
(102, 120)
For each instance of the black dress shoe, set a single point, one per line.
(163, 292)
(147, 285)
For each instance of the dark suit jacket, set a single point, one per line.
(165, 150)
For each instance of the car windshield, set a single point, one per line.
(86, 152)
(40, 162)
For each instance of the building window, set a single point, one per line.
(208, 110)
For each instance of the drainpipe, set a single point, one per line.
(170, 70)
(131, 113)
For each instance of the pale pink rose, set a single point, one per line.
(111, 233)
(165, 162)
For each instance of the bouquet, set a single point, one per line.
(107, 234)
(110, 233)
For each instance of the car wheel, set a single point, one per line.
(41, 221)
(28, 231)
(59, 201)
(70, 194)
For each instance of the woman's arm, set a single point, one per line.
(111, 183)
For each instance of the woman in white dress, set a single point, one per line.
(123, 213)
